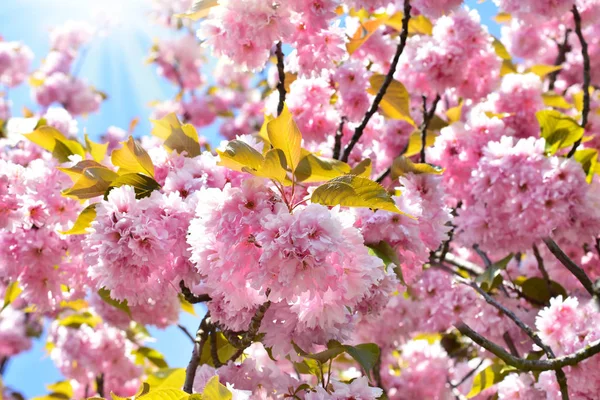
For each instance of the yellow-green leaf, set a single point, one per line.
(177, 137)
(142, 184)
(96, 150)
(12, 292)
(419, 24)
(362, 169)
(363, 33)
(507, 68)
(500, 50)
(225, 350)
(588, 158)
(199, 9)
(132, 158)
(555, 100)
(415, 144)
(274, 167)
(84, 220)
(543, 70)
(119, 304)
(164, 394)
(354, 191)
(55, 142)
(152, 355)
(403, 165)
(285, 135)
(214, 390)
(76, 320)
(164, 378)
(503, 17)
(186, 305)
(238, 154)
(485, 379)
(313, 168)
(559, 130)
(454, 114)
(396, 101)
(92, 182)
(63, 387)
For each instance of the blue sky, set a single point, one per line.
(114, 64)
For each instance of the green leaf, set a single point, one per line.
(132, 158)
(324, 356)
(396, 101)
(121, 305)
(91, 181)
(313, 168)
(239, 155)
(164, 378)
(177, 137)
(12, 292)
(142, 184)
(84, 220)
(415, 144)
(274, 167)
(366, 354)
(388, 255)
(486, 379)
(55, 142)
(491, 277)
(214, 390)
(164, 394)
(354, 191)
(537, 289)
(308, 367)
(63, 387)
(152, 355)
(559, 130)
(403, 165)
(76, 320)
(285, 135)
(225, 350)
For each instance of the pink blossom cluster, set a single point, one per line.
(15, 61)
(85, 352)
(178, 61)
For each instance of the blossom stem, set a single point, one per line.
(587, 76)
(358, 132)
(281, 72)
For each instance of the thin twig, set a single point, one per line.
(587, 76)
(281, 83)
(575, 269)
(201, 338)
(563, 49)
(384, 175)
(191, 297)
(510, 344)
(542, 268)
(358, 132)
(337, 147)
(468, 375)
(483, 255)
(4, 365)
(427, 116)
(100, 385)
(186, 332)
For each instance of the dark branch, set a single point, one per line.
(186, 332)
(468, 375)
(510, 344)
(575, 269)
(542, 268)
(200, 340)
(337, 148)
(100, 385)
(384, 175)
(563, 49)
(281, 83)
(587, 75)
(358, 132)
(427, 116)
(191, 297)
(213, 349)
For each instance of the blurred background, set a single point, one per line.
(115, 63)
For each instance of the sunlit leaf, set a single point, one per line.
(177, 137)
(543, 70)
(396, 101)
(186, 306)
(63, 387)
(559, 130)
(119, 304)
(507, 68)
(313, 168)
(486, 379)
(96, 150)
(454, 114)
(91, 182)
(152, 355)
(363, 33)
(132, 158)
(164, 378)
(588, 158)
(164, 394)
(55, 142)
(199, 9)
(419, 24)
(285, 135)
(214, 390)
(403, 165)
(11, 293)
(354, 191)
(362, 169)
(555, 100)
(500, 50)
(503, 17)
(238, 155)
(76, 320)
(225, 350)
(414, 142)
(142, 184)
(83, 222)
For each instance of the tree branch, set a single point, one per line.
(575, 269)
(186, 332)
(587, 76)
(337, 148)
(358, 132)
(542, 268)
(100, 385)
(529, 365)
(191, 297)
(427, 116)
(200, 340)
(563, 49)
(281, 83)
